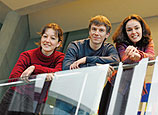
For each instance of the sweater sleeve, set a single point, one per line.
(110, 57)
(58, 66)
(121, 50)
(149, 51)
(20, 66)
(70, 57)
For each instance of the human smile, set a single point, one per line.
(46, 45)
(134, 36)
(96, 37)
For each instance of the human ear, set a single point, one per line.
(107, 35)
(58, 43)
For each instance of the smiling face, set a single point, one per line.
(49, 41)
(134, 30)
(97, 34)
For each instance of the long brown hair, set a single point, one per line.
(120, 35)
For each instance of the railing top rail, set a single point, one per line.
(128, 66)
(5, 81)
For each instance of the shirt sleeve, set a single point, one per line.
(121, 50)
(58, 66)
(24, 62)
(148, 53)
(110, 57)
(20, 66)
(70, 57)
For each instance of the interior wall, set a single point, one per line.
(153, 24)
(13, 36)
(3, 12)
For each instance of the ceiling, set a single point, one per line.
(74, 14)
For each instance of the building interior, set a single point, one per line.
(21, 20)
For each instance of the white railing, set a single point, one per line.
(83, 88)
(135, 92)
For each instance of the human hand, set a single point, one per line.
(132, 53)
(25, 75)
(49, 76)
(110, 71)
(76, 64)
(135, 57)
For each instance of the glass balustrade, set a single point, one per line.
(78, 91)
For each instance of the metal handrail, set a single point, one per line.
(20, 82)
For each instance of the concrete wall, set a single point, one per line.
(3, 11)
(14, 35)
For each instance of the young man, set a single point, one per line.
(90, 52)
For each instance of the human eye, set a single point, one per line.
(93, 28)
(44, 35)
(128, 29)
(137, 28)
(53, 38)
(101, 30)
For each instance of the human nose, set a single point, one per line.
(133, 31)
(96, 32)
(48, 39)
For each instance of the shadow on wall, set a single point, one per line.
(0, 26)
(31, 44)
